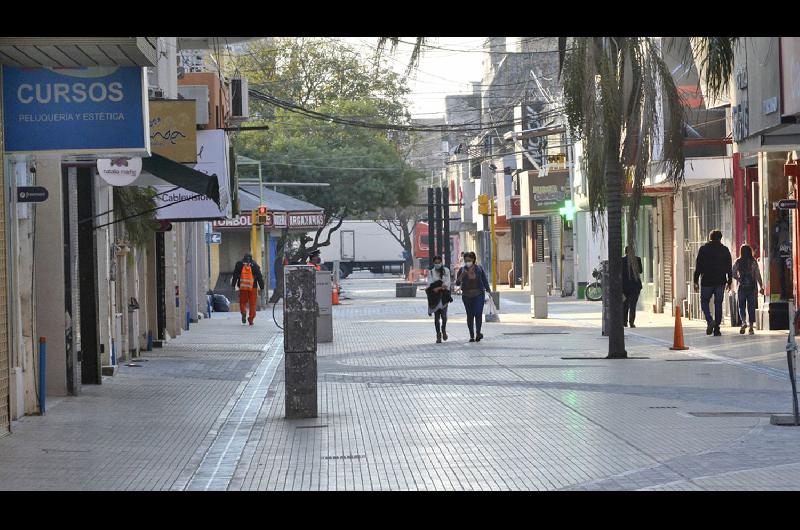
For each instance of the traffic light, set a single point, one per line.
(483, 204)
(261, 217)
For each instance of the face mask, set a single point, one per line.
(437, 265)
(468, 263)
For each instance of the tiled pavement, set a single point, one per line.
(398, 412)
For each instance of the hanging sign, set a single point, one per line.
(787, 204)
(75, 110)
(31, 194)
(119, 171)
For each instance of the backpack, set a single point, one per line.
(246, 277)
(747, 280)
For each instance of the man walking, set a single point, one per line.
(714, 265)
(631, 285)
(246, 275)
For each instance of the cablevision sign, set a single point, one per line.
(75, 110)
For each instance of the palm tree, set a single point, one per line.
(619, 94)
(613, 88)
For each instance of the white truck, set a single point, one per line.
(362, 245)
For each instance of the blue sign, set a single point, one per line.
(81, 110)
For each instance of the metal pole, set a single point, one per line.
(446, 215)
(431, 228)
(439, 239)
(42, 372)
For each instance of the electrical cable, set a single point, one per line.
(148, 211)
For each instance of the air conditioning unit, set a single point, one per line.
(155, 93)
(200, 94)
(240, 100)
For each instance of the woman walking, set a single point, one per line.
(748, 277)
(438, 292)
(474, 286)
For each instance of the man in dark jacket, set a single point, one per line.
(631, 286)
(714, 265)
(247, 277)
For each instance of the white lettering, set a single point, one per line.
(79, 92)
(60, 90)
(115, 91)
(24, 99)
(93, 94)
(41, 98)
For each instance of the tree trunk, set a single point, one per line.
(614, 175)
(407, 245)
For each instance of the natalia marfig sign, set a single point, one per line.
(75, 110)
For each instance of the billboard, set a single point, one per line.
(212, 159)
(92, 110)
(173, 130)
(547, 194)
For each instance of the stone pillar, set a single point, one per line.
(324, 302)
(538, 275)
(300, 311)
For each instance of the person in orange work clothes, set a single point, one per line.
(247, 278)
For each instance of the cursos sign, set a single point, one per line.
(75, 110)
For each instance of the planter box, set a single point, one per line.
(405, 290)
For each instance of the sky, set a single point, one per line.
(440, 72)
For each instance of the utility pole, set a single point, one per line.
(446, 221)
(439, 239)
(431, 228)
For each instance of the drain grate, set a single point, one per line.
(344, 457)
(312, 426)
(732, 414)
(662, 407)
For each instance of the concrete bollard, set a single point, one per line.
(300, 310)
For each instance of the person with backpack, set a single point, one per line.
(714, 265)
(474, 286)
(748, 277)
(439, 297)
(247, 278)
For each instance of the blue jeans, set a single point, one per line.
(474, 307)
(747, 299)
(718, 292)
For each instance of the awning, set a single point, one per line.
(182, 176)
(75, 52)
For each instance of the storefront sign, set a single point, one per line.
(241, 221)
(277, 220)
(212, 159)
(548, 193)
(790, 75)
(173, 130)
(32, 194)
(787, 204)
(119, 171)
(214, 238)
(515, 209)
(75, 110)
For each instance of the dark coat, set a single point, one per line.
(713, 264)
(483, 281)
(435, 296)
(237, 272)
(629, 282)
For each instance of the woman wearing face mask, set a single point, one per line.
(474, 286)
(438, 292)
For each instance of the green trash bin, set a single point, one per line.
(582, 290)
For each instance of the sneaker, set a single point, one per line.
(479, 337)
(244, 319)
(751, 332)
(250, 320)
(444, 335)
(743, 328)
(717, 332)
(632, 325)
(709, 329)
(438, 338)
(472, 339)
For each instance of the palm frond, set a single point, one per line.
(715, 55)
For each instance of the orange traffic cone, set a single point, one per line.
(335, 295)
(677, 341)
